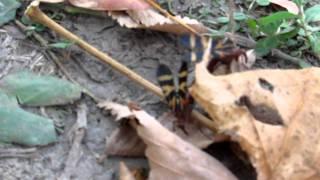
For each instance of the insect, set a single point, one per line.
(223, 51)
(177, 96)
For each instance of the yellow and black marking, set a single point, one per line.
(176, 97)
(166, 82)
(221, 48)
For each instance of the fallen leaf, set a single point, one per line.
(21, 127)
(289, 151)
(51, 1)
(111, 5)
(138, 14)
(151, 19)
(8, 10)
(198, 135)
(289, 5)
(34, 90)
(170, 157)
(125, 173)
(242, 63)
(124, 141)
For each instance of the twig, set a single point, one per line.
(38, 16)
(249, 43)
(49, 54)
(232, 22)
(279, 54)
(76, 150)
(17, 153)
(6, 70)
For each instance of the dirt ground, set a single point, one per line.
(140, 50)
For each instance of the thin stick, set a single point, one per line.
(173, 18)
(17, 153)
(249, 43)
(76, 151)
(38, 16)
(232, 22)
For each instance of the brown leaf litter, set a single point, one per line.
(169, 156)
(241, 103)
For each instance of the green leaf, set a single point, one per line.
(263, 2)
(34, 90)
(291, 42)
(223, 20)
(315, 44)
(271, 23)
(313, 14)
(32, 26)
(275, 17)
(270, 29)
(253, 27)
(8, 10)
(287, 35)
(21, 127)
(61, 45)
(264, 45)
(9, 101)
(240, 16)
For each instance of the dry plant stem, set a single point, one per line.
(279, 54)
(173, 18)
(15, 150)
(249, 43)
(38, 16)
(17, 153)
(232, 23)
(75, 152)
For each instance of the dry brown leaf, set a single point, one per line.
(111, 5)
(106, 5)
(151, 19)
(198, 135)
(289, 5)
(51, 1)
(125, 173)
(241, 64)
(138, 14)
(286, 152)
(120, 111)
(170, 157)
(124, 141)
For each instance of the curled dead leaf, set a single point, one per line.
(172, 158)
(106, 5)
(151, 19)
(120, 111)
(111, 5)
(138, 14)
(124, 141)
(51, 1)
(125, 173)
(240, 63)
(290, 151)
